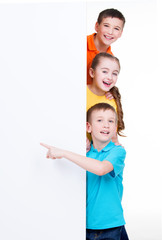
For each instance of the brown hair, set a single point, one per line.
(111, 12)
(100, 106)
(116, 94)
(97, 58)
(114, 90)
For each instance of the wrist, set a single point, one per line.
(65, 154)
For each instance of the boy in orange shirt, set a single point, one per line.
(109, 28)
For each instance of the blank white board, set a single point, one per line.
(42, 99)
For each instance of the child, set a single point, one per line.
(104, 73)
(104, 165)
(109, 28)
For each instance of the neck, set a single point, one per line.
(100, 47)
(93, 88)
(100, 145)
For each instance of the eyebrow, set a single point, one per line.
(112, 118)
(117, 27)
(108, 69)
(109, 118)
(99, 116)
(110, 24)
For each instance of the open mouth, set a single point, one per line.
(107, 84)
(108, 38)
(105, 132)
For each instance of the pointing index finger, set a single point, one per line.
(45, 145)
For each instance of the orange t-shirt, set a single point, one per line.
(91, 53)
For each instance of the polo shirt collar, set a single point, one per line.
(107, 148)
(91, 44)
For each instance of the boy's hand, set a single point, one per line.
(53, 152)
(109, 96)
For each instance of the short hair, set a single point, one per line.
(100, 106)
(100, 55)
(111, 12)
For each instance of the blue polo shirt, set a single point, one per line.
(104, 193)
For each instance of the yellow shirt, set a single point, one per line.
(93, 99)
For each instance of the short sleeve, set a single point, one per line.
(117, 158)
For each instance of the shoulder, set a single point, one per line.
(90, 36)
(120, 148)
(90, 42)
(115, 150)
(119, 151)
(89, 39)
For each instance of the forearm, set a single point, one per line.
(89, 164)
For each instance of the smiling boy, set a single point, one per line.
(104, 164)
(109, 28)
(104, 193)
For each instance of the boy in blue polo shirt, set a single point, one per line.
(104, 164)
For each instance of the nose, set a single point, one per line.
(110, 30)
(106, 124)
(109, 75)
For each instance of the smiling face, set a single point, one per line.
(104, 75)
(109, 30)
(102, 126)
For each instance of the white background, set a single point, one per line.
(42, 99)
(139, 83)
(44, 199)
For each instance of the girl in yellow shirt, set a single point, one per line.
(104, 72)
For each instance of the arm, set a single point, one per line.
(89, 164)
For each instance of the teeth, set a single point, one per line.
(105, 132)
(108, 37)
(107, 83)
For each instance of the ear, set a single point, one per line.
(88, 127)
(91, 72)
(96, 26)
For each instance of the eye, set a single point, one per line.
(117, 29)
(111, 121)
(99, 120)
(115, 74)
(104, 71)
(105, 25)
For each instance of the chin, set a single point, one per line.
(105, 140)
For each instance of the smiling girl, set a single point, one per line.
(104, 72)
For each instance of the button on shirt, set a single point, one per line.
(104, 193)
